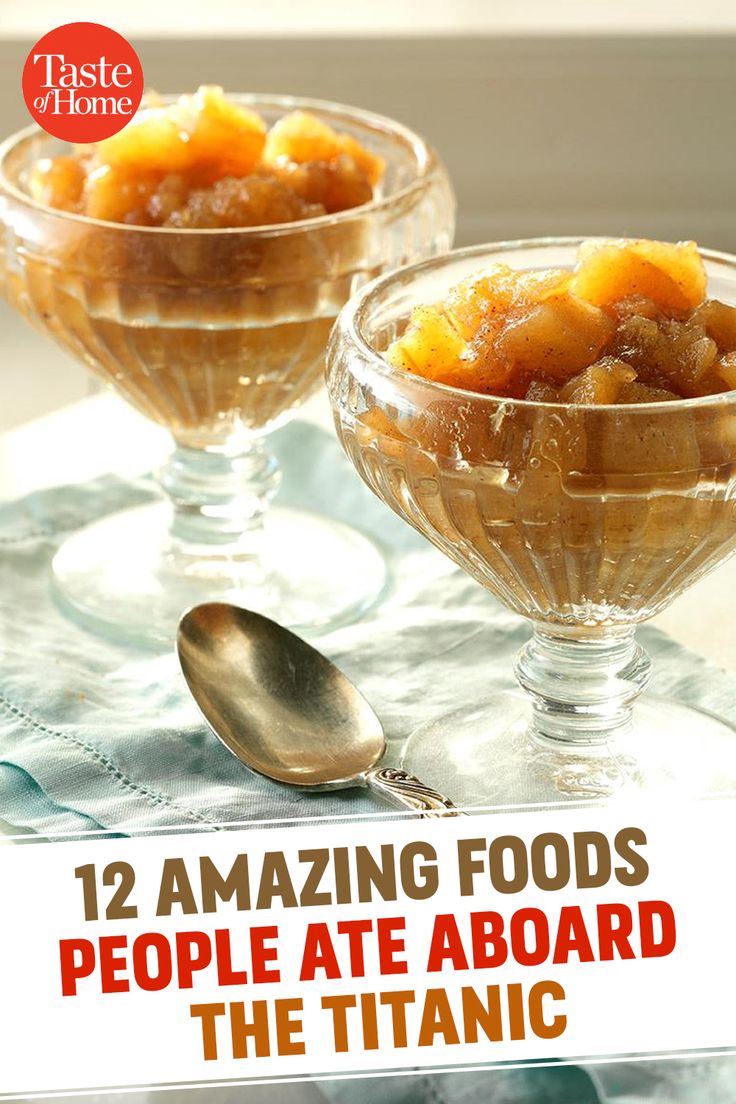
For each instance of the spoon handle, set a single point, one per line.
(404, 791)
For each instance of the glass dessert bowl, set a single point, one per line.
(586, 518)
(216, 331)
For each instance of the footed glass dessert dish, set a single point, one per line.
(584, 518)
(217, 332)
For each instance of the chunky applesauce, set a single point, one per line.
(197, 259)
(205, 162)
(630, 324)
(576, 510)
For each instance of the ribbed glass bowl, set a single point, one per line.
(219, 336)
(584, 519)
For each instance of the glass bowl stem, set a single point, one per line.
(582, 689)
(219, 498)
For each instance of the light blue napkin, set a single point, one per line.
(98, 734)
(94, 734)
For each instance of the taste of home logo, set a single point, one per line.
(82, 82)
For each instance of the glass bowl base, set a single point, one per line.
(487, 756)
(125, 578)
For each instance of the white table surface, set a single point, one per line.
(100, 434)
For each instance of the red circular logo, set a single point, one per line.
(82, 82)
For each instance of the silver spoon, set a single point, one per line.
(285, 711)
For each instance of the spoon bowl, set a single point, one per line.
(285, 711)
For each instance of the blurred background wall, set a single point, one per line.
(554, 118)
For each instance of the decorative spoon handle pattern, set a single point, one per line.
(404, 791)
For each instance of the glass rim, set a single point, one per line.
(426, 158)
(353, 317)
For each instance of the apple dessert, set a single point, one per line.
(205, 258)
(205, 162)
(559, 432)
(630, 324)
(196, 261)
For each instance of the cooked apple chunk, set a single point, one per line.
(302, 138)
(599, 383)
(672, 276)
